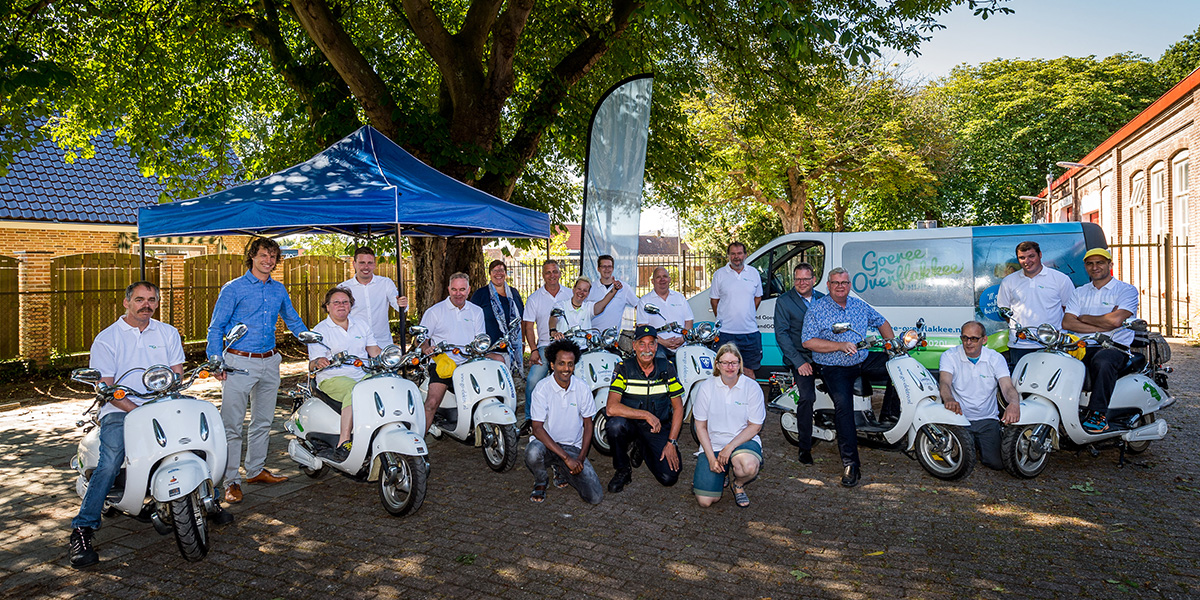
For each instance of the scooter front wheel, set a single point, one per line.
(499, 446)
(1023, 454)
(191, 526)
(600, 433)
(946, 451)
(402, 481)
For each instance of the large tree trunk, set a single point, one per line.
(436, 259)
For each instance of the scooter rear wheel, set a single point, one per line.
(402, 481)
(1018, 450)
(191, 526)
(946, 451)
(1142, 446)
(314, 473)
(792, 437)
(600, 433)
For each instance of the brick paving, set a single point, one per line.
(901, 534)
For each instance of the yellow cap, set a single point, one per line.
(1098, 252)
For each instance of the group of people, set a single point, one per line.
(969, 374)
(644, 407)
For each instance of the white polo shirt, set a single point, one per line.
(674, 309)
(353, 340)
(728, 410)
(121, 347)
(562, 411)
(581, 317)
(453, 325)
(371, 302)
(1034, 300)
(1115, 294)
(974, 385)
(612, 313)
(736, 292)
(537, 311)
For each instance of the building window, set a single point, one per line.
(1180, 175)
(1158, 199)
(1137, 206)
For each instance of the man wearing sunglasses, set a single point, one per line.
(842, 362)
(968, 376)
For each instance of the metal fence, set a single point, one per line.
(690, 273)
(1159, 270)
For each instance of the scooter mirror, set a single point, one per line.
(1137, 324)
(558, 313)
(651, 309)
(417, 330)
(920, 324)
(85, 375)
(309, 337)
(1006, 313)
(841, 327)
(235, 334)
(516, 322)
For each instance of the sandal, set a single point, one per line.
(538, 494)
(560, 482)
(740, 498)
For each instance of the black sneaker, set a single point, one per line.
(526, 428)
(806, 457)
(619, 481)
(82, 552)
(338, 454)
(220, 517)
(635, 455)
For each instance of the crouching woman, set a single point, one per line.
(729, 413)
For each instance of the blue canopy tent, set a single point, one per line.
(363, 186)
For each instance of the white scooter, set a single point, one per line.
(173, 445)
(482, 409)
(943, 444)
(599, 357)
(388, 431)
(1051, 383)
(694, 360)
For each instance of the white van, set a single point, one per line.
(947, 276)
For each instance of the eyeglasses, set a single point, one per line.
(839, 283)
(971, 338)
(728, 363)
(804, 279)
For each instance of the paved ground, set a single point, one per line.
(1084, 529)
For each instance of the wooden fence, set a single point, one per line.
(87, 290)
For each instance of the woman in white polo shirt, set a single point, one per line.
(578, 310)
(729, 413)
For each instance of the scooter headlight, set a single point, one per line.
(1047, 334)
(481, 344)
(705, 333)
(158, 378)
(910, 339)
(391, 356)
(609, 337)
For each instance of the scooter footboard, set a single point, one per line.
(177, 476)
(399, 439)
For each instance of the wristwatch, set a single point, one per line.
(673, 442)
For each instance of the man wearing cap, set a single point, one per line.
(1036, 294)
(643, 398)
(1101, 306)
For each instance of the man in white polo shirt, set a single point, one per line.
(454, 321)
(373, 294)
(624, 296)
(562, 410)
(672, 308)
(1036, 294)
(735, 295)
(1101, 306)
(537, 327)
(968, 376)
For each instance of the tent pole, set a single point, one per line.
(142, 257)
(400, 287)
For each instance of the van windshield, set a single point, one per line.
(776, 265)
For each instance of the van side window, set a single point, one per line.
(911, 272)
(776, 265)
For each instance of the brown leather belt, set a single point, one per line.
(267, 354)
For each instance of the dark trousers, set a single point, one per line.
(987, 441)
(1102, 367)
(1015, 354)
(806, 394)
(840, 383)
(623, 432)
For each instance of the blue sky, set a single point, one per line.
(1054, 28)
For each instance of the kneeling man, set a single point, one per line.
(968, 379)
(561, 410)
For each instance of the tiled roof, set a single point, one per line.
(106, 188)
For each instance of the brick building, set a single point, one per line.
(1136, 186)
(53, 214)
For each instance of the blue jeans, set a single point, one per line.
(538, 460)
(112, 456)
(537, 372)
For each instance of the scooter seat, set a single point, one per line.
(328, 400)
(1136, 363)
(861, 387)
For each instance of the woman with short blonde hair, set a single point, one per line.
(729, 413)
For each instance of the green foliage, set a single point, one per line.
(709, 228)
(1013, 119)
(1178, 61)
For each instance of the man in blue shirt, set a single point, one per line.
(258, 301)
(842, 362)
